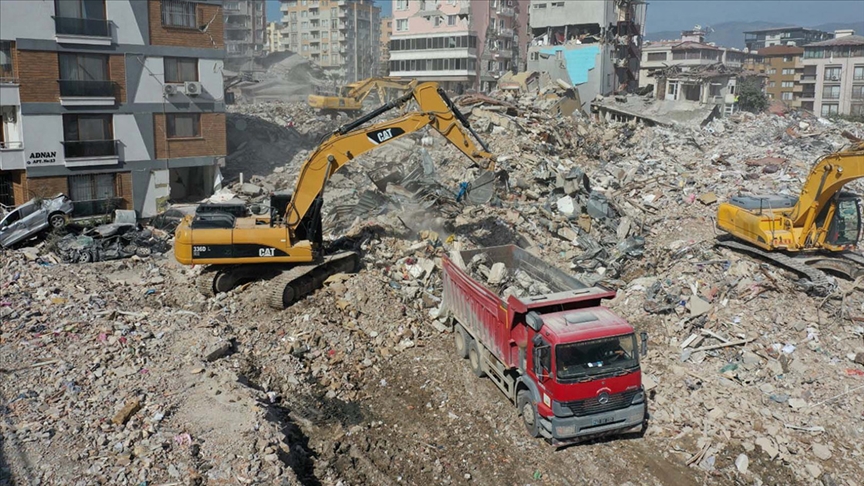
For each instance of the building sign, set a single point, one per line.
(41, 158)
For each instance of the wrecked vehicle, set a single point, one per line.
(33, 217)
(122, 238)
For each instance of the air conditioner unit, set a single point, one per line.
(193, 88)
(169, 89)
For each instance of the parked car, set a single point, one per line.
(33, 217)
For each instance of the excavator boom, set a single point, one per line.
(350, 98)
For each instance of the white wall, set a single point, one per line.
(158, 189)
(43, 133)
(131, 140)
(153, 77)
(125, 29)
(29, 19)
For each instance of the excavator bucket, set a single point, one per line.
(481, 190)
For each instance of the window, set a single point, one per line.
(401, 25)
(672, 90)
(786, 95)
(858, 92)
(557, 4)
(80, 9)
(857, 109)
(787, 84)
(831, 92)
(832, 74)
(857, 74)
(5, 59)
(788, 71)
(92, 187)
(772, 84)
(787, 58)
(401, 5)
(180, 69)
(185, 125)
(539, 5)
(83, 67)
(451, 20)
(179, 13)
(82, 128)
(656, 56)
(437, 21)
(831, 109)
(771, 71)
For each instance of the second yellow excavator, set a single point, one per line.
(817, 231)
(350, 98)
(287, 246)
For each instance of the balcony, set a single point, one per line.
(808, 95)
(71, 30)
(7, 75)
(12, 155)
(797, 88)
(505, 32)
(808, 78)
(505, 11)
(90, 152)
(83, 93)
(236, 26)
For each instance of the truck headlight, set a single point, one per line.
(565, 430)
(638, 398)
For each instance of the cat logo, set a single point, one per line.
(266, 252)
(383, 135)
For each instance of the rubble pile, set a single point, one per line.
(118, 372)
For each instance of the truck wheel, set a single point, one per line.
(528, 412)
(474, 359)
(461, 338)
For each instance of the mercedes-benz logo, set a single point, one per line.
(603, 398)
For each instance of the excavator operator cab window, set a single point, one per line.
(846, 224)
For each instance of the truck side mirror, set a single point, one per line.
(534, 321)
(643, 336)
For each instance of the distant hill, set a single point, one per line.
(731, 34)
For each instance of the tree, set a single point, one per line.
(750, 95)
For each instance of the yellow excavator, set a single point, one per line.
(287, 246)
(350, 97)
(816, 232)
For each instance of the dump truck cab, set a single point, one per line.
(585, 364)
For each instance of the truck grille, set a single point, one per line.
(592, 405)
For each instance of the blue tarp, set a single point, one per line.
(578, 61)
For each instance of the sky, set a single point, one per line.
(684, 14)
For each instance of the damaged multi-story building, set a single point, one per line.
(245, 28)
(689, 69)
(116, 103)
(341, 36)
(593, 46)
(458, 43)
(832, 78)
(783, 36)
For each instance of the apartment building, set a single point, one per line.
(116, 103)
(462, 45)
(274, 37)
(594, 46)
(783, 36)
(690, 52)
(341, 36)
(384, 46)
(833, 76)
(245, 28)
(782, 67)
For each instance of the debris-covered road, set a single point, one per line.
(118, 372)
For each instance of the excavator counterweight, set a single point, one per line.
(287, 246)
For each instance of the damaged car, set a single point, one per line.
(33, 217)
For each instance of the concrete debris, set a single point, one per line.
(745, 374)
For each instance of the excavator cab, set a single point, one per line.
(845, 227)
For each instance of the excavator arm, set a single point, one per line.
(350, 140)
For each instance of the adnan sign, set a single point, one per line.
(42, 158)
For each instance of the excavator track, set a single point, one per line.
(204, 283)
(301, 280)
(818, 280)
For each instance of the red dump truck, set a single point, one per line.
(570, 364)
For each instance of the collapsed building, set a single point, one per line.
(599, 55)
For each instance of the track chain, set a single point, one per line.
(819, 281)
(204, 283)
(332, 264)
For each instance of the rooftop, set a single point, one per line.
(779, 51)
(695, 45)
(780, 29)
(849, 40)
(585, 324)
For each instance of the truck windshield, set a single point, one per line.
(599, 357)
